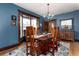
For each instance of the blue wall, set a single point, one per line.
(8, 33)
(75, 16)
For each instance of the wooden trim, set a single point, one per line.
(18, 28)
(20, 13)
(28, 14)
(52, 20)
(66, 40)
(72, 29)
(76, 40)
(8, 47)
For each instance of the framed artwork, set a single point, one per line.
(13, 20)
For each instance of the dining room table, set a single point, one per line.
(42, 41)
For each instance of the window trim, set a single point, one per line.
(21, 13)
(67, 19)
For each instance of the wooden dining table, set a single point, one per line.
(43, 36)
(43, 41)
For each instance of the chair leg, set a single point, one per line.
(56, 48)
(32, 52)
(27, 52)
(53, 51)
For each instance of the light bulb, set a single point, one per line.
(44, 16)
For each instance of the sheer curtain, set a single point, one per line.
(34, 24)
(26, 22)
(29, 22)
(21, 27)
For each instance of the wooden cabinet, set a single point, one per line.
(67, 35)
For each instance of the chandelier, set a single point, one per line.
(48, 16)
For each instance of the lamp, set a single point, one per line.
(48, 16)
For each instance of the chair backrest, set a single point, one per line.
(30, 33)
(55, 33)
(30, 38)
(30, 30)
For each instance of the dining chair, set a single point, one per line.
(51, 43)
(54, 43)
(32, 45)
(29, 40)
(56, 38)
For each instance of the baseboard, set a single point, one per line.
(8, 47)
(66, 40)
(76, 40)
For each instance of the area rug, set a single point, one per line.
(63, 50)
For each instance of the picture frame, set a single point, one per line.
(13, 20)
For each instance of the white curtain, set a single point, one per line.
(34, 22)
(26, 22)
(21, 27)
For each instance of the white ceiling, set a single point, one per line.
(55, 8)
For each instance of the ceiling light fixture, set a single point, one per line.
(48, 16)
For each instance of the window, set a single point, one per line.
(34, 22)
(26, 22)
(66, 24)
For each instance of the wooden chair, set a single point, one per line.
(54, 43)
(51, 44)
(31, 43)
(56, 39)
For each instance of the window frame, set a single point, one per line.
(65, 20)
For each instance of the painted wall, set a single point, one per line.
(8, 33)
(75, 16)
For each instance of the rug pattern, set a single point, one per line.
(63, 50)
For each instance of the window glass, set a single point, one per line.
(66, 24)
(26, 22)
(34, 22)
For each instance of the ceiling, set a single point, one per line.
(54, 8)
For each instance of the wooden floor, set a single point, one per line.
(6, 51)
(74, 49)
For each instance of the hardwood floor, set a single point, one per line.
(74, 49)
(6, 51)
